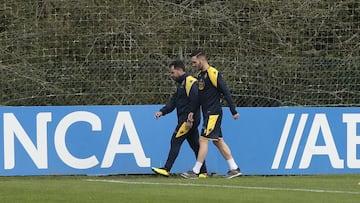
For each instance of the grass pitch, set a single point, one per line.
(156, 189)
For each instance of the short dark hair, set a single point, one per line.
(198, 53)
(178, 64)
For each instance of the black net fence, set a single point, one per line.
(271, 53)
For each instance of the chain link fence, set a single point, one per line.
(271, 53)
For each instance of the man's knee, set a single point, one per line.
(203, 139)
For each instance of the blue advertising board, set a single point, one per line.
(104, 140)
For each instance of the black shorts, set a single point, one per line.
(212, 127)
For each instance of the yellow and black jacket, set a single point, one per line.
(185, 100)
(211, 88)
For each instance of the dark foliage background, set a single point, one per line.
(67, 52)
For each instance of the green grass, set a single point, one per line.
(154, 189)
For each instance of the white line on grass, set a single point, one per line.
(225, 186)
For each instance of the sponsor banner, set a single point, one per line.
(104, 140)
(290, 140)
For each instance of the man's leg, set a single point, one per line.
(201, 155)
(194, 173)
(193, 140)
(223, 148)
(226, 153)
(175, 145)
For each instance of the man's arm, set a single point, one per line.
(227, 95)
(194, 97)
(169, 107)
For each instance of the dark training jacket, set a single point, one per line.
(185, 100)
(211, 87)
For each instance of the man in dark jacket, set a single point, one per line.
(184, 100)
(211, 88)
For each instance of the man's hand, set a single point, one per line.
(190, 120)
(191, 117)
(188, 125)
(158, 114)
(236, 116)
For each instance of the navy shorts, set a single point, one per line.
(212, 127)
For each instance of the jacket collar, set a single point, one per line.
(182, 78)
